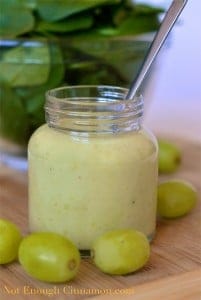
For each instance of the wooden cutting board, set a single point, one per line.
(174, 269)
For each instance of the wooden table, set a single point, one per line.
(173, 271)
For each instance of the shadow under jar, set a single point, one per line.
(92, 167)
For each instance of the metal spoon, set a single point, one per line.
(169, 20)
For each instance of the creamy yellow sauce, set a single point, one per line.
(82, 188)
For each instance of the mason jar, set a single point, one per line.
(93, 166)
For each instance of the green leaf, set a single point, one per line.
(134, 25)
(20, 3)
(28, 94)
(108, 54)
(105, 74)
(35, 109)
(143, 9)
(108, 31)
(69, 25)
(33, 103)
(13, 117)
(15, 19)
(29, 3)
(57, 70)
(34, 97)
(25, 65)
(55, 10)
(119, 15)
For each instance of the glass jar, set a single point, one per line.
(92, 167)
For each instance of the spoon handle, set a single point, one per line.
(167, 24)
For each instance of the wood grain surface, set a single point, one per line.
(173, 271)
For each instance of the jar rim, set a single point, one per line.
(93, 108)
(76, 87)
(53, 93)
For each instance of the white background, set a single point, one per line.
(173, 93)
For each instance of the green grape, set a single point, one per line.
(175, 198)
(120, 252)
(10, 238)
(49, 257)
(169, 157)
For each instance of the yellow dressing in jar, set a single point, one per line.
(93, 167)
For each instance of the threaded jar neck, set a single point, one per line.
(90, 110)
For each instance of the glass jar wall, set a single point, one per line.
(92, 167)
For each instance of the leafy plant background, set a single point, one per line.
(48, 43)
